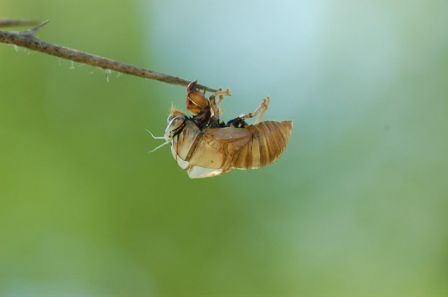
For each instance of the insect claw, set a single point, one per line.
(154, 137)
(221, 92)
(192, 86)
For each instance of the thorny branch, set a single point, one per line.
(29, 40)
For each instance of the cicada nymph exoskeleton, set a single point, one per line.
(205, 146)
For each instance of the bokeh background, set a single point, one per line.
(356, 206)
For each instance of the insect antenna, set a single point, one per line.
(155, 137)
(160, 146)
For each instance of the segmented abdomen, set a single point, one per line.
(268, 141)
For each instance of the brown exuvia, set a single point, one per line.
(205, 146)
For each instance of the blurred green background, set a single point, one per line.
(356, 206)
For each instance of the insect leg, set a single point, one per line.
(259, 112)
(237, 123)
(220, 93)
(262, 109)
(216, 112)
(214, 107)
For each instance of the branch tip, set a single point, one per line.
(27, 39)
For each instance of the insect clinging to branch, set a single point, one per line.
(202, 144)
(205, 146)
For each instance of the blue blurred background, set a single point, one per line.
(356, 206)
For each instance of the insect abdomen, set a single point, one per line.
(268, 141)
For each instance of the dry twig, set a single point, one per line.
(16, 23)
(29, 40)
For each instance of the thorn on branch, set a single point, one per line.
(34, 30)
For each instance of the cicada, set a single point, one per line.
(205, 146)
